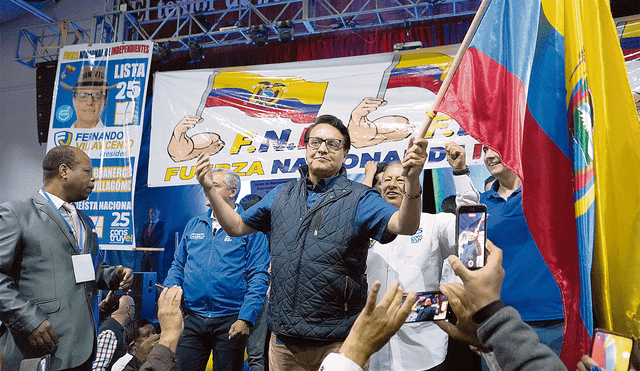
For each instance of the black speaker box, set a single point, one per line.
(45, 80)
(143, 292)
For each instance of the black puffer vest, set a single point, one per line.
(318, 260)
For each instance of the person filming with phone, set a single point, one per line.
(485, 321)
(416, 261)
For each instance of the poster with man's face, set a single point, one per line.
(98, 106)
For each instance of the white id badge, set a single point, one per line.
(83, 268)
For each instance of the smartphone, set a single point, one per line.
(471, 235)
(45, 363)
(36, 364)
(611, 351)
(429, 306)
(159, 288)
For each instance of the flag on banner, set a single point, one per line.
(531, 85)
(69, 68)
(630, 39)
(259, 96)
(420, 70)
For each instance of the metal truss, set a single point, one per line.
(42, 43)
(212, 23)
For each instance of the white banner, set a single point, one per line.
(252, 119)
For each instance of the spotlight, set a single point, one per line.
(195, 52)
(259, 35)
(202, 19)
(285, 31)
(165, 53)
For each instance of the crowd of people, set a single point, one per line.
(306, 261)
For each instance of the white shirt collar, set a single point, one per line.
(57, 201)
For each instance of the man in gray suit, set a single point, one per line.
(49, 269)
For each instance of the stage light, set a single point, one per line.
(202, 19)
(259, 35)
(285, 31)
(195, 52)
(165, 53)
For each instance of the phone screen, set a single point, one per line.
(44, 364)
(611, 351)
(472, 237)
(429, 306)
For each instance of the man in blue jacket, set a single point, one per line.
(224, 280)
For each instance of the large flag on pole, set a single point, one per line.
(532, 86)
(617, 196)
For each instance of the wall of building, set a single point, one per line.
(20, 153)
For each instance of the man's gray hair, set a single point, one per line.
(231, 179)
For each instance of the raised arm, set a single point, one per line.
(407, 220)
(183, 147)
(228, 218)
(466, 193)
(370, 169)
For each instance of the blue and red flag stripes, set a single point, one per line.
(510, 93)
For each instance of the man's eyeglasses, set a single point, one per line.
(332, 144)
(96, 97)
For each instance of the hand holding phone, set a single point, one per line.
(611, 351)
(471, 236)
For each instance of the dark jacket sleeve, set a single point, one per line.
(160, 358)
(515, 344)
(106, 277)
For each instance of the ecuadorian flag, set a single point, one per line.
(259, 96)
(630, 38)
(423, 70)
(544, 83)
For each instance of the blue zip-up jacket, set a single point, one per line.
(222, 276)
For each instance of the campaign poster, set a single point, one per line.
(98, 106)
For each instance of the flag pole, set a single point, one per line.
(454, 66)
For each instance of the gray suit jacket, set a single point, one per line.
(37, 282)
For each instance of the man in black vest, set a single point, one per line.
(111, 344)
(320, 228)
